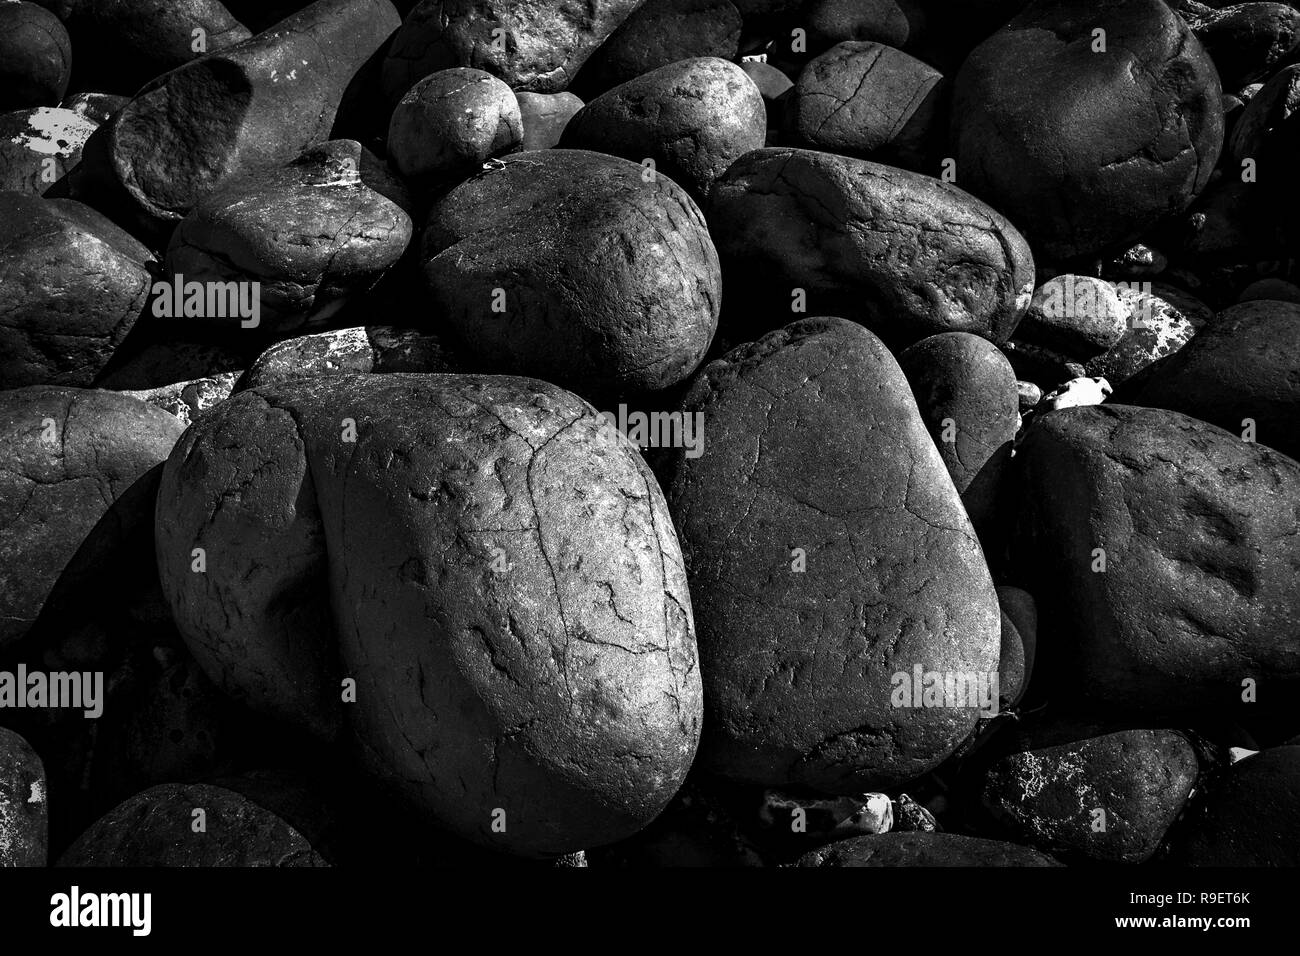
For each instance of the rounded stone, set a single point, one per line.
(828, 552)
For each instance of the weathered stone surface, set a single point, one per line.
(924, 849)
(451, 122)
(1078, 316)
(123, 44)
(1198, 531)
(67, 454)
(544, 116)
(1249, 41)
(38, 146)
(693, 118)
(186, 401)
(312, 233)
(905, 254)
(827, 550)
(547, 41)
(1108, 798)
(361, 349)
(1244, 367)
(521, 633)
(35, 57)
(966, 393)
(251, 107)
(867, 99)
(1084, 149)
(657, 33)
(1155, 327)
(74, 284)
(24, 803)
(606, 282)
(155, 829)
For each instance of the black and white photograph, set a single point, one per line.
(446, 443)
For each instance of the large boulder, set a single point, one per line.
(907, 255)
(1085, 138)
(571, 266)
(1163, 555)
(537, 46)
(828, 553)
(74, 285)
(68, 454)
(252, 106)
(475, 573)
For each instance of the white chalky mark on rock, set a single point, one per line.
(1079, 392)
(38, 793)
(49, 126)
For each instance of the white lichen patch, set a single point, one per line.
(38, 793)
(52, 131)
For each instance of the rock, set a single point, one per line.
(897, 23)
(1277, 290)
(188, 400)
(1268, 135)
(966, 393)
(1243, 368)
(1249, 41)
(123, 44)
(1077, 392)
(68, 453)
(97, 107)
(451, 122)
(568, 265)
(693, 118)
(870, 100)
(544, 117)
(1019, 639)
(1251, 819)
(156, 828)
(659, 32)
(1028, 395)
(369, 349)
(522, 634)
(35, 57)
(39, 146)
(312, 233)
(773, 85)
(911, 817)
(254, 106)
(904, 254)
(1105, 799)
(1043, 367)
(24, 803)
(827, 552)
(1195, 528)
(1137, 262)
(1078, 316)
(161, 363)
(828, 818)
(924, 849)
(545, 43)
(74, 285)
(1086, 150)
(1155, 328)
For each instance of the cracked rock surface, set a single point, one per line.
(1083, 149)
(250, 107)
(67, 454)
(1201, 537)
(907, 255)
(74, 284)
(693, 118)
(568, 265)
(798, 664)
(312, 233)
(496, 571)
(158, 828)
